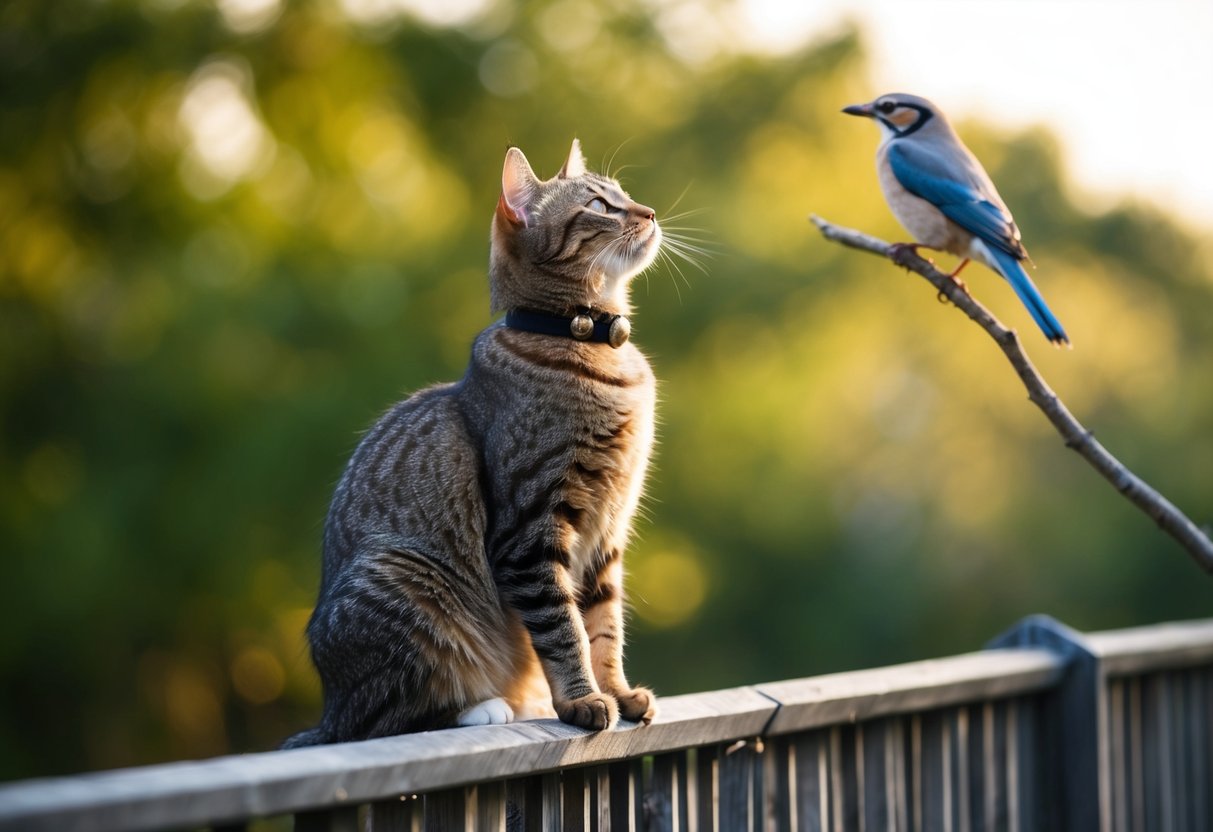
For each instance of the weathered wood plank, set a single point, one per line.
(599, 779)
(1141, 650)
(343, 819)
(255, 785)
(624, 790)
(402, 814)
(739, 788)
(961, 771)
(232, 790)
(865, 694)
(874, 784)
(935, 791)
(707, 790)
(810, 796)
(552, 803)
(573, 803)
(665, 795)
(445, 810)
(486, 803)
(1199, 747)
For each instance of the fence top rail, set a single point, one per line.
(1157, 647)
(234, 788)
(918, 686)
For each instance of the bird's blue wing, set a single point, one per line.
(959, 191)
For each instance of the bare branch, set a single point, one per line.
(1170, 519)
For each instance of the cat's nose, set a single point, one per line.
(645, 212)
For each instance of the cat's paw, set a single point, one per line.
(488, 712)
(637, 705)
(597, 711)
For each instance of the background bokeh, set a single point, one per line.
(232, 233)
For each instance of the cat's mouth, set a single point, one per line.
(647, 246)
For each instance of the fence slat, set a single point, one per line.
(810, 795)
(707, 788)
(573, 809)
(665, 796)
(1200, 748)
(877, 804)
(1049, 729)
(343, 819)
(739, 786)
(1081, 708)
(487, 803)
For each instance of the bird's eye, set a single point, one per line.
(886, 107)
(597, 204)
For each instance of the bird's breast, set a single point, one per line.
(926, 223)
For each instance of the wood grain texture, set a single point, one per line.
(905, 731)
(1140, 650)
(254, 785)
(850, 697)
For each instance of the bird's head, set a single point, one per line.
(897, 114)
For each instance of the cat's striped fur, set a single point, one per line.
(473, 550)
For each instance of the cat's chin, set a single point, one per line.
(622, 269)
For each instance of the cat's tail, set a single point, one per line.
(312, 736)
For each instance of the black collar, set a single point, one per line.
(612, 329)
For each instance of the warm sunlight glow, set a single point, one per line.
(1122, 82)
(227, 139)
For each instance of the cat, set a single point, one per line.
(473, 548)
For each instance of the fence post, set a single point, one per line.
(1077, 724)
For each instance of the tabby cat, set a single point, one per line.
(473, 549)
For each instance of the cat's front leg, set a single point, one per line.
(540, 592)
(601, 604)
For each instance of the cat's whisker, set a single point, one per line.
(702, 244)
(688, 252)
(613, 174)
(599, 260)
(687, 249)
(672, 268)
(689, 228)
(667, 218)
(677, 200)
(622, 168)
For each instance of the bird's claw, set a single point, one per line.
(900, 253)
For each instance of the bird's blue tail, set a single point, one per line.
(1011, 269)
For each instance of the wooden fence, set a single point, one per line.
(1046, 729)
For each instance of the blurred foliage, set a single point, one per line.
(233, 233)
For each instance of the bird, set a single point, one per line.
(940, 193)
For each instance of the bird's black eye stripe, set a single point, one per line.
(924, 115)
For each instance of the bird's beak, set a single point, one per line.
(864, 110)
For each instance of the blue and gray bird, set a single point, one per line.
(941, 194)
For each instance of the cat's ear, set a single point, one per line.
(575, 164)
(519, 185)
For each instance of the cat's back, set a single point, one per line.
(389, 487)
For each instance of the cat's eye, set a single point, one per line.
(597, 204)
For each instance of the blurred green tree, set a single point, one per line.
(232, 233)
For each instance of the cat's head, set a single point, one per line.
(569, 242)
